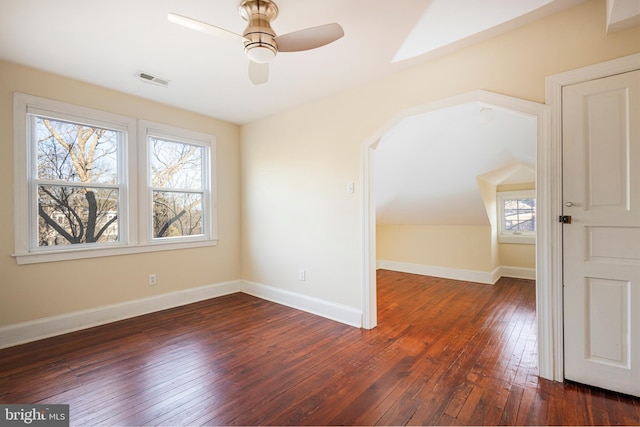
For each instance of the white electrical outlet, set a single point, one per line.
(153, 280)
(302, 275)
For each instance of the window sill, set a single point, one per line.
(83, 253)
(517, 239)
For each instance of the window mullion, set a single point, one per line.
(177, 190)
(76, 184)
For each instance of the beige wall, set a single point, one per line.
(488, 192)
(30, 292)
(514, 255)
(295, 165)
(458, 247)
(516, 187)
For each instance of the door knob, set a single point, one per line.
(568, 204)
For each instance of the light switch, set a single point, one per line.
(351, 187)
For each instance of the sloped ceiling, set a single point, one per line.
(426, 166)
(622, 14)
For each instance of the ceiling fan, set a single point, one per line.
(261, 44)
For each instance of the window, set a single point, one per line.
(517, 216)
(79, 175)
(76, 183)
(178, 182)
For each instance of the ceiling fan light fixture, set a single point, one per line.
(261, 43)
(260, 53)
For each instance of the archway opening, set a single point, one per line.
(539, 113)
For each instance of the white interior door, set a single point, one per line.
(601, 246)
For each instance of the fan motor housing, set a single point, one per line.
(259, 44)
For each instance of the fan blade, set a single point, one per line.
(203, 27)
(258, 73)
(310, 38)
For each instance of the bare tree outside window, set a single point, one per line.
(178, 185)
(92, 183)
(78, 184)
(77, 175)
(520, 215)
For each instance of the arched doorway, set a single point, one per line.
(543, 291)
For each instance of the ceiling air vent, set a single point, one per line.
(148, 78)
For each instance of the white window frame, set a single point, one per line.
(134, 226)
(209, 218)
(511, 236)
(34, 182)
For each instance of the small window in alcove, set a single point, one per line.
(517, 216)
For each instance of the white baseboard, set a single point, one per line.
(518, 272)
(330, 310)
(486, 277)
(21, 333)
(436, 271)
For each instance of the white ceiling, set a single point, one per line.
(108, 42)
(426, 167)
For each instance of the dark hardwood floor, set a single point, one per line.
(445, 352)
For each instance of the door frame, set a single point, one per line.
(544, 224)
(552, 164)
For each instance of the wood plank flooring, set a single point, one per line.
(444, 353)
